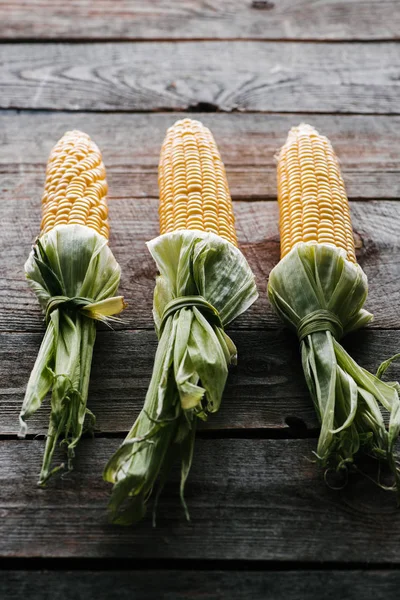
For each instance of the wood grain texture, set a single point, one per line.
(198, 19)
(249, 500)
(266, 390)
(135, 221)
(207, 585)
(239, 76)
(367, 146)
(260, 392)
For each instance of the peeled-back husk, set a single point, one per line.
(347, 398)
(191, 363)
(71, 261)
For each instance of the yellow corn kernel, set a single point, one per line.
(75, 190)
(194, 191)
(313, 205)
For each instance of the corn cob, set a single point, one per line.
(194, 191)
(76, 187)
(204, 283)
(313, 205)
(319, 290)
(74, 275)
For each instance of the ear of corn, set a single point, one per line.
(74, 275)
(194, 191)
(204, 283)
(318, 289)
(313, 205)
(75, 191)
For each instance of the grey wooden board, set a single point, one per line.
(135, 221)
(243, 76)
(266, 390)
(208, 585)
(367, 146)
(260, 393)
(198, 19)
(249, 500)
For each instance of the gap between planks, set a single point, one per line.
(121, 564)
(182, 40)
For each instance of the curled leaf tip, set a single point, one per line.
(46, 475)
(23, 428)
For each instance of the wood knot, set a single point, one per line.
(203, 107)
(297, 426)
(262, 5)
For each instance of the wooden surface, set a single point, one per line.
(199, 19)
(249, 500)
(215, 585)
(212, 75)
(264, 523)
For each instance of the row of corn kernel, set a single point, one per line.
(76, 187)
(312, 200)
(194, 192)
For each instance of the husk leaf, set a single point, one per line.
(191, 363)
(347, 398)
(70, 262)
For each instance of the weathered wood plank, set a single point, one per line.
(249, 500)
(134, 221)
(257, 76)
(367, 146)
(260, 393)
(266, 390)
(199, 19)
(208, 585)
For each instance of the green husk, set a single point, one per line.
(74, 276)
(193, 347)
(347, 399)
